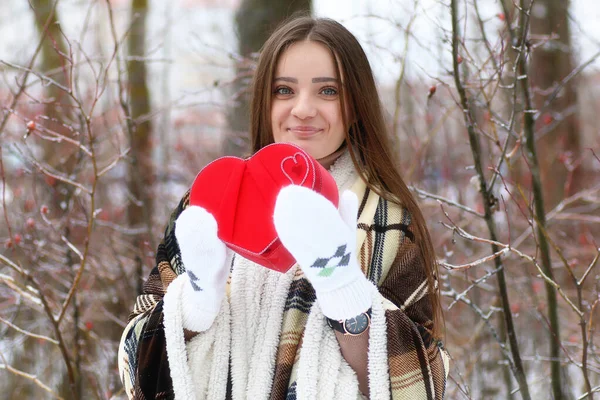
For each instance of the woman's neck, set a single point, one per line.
(328, 161)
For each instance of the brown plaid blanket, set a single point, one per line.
(389, 257)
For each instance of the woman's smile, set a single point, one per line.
(304, 131)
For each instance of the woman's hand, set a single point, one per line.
(207, 262)
(323, 241)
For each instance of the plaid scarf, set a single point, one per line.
(417, 364)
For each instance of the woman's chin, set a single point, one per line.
(313, 150)
(314, 153)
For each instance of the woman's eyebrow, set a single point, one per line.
(286, 79)
(324, 79)
(314, 80)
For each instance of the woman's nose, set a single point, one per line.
(304, 108)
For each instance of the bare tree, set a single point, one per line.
(488, 203)
(479, 88)
(141, 174)
(555, 101)
(56, 64)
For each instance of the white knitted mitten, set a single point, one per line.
(207, 261)
(323, 241)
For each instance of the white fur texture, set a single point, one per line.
(206, 260)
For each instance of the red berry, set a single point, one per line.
(432, 90)
(515, 308)
(547, 119)
(17, 238)
(50, 180)
(104, 215)
(8, 244)
(459, 59)
(44, 209)
(574, 338)
(28, 206)
(501, 16)
(30, 223)
(31, 125)
(89, 325)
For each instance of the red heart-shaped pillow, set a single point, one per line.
(241, 195)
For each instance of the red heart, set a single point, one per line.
(241, 195)
(295, 168)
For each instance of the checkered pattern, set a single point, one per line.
(341, 258)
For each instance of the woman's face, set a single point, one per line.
(306, 107)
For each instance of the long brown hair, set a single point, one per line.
(367, 132)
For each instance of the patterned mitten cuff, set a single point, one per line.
(207, 262)
(323, 241)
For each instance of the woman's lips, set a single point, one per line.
(304, 131)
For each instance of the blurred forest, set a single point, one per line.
(109, 108)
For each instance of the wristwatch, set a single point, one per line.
(352, 326)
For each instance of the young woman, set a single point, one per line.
(211, 324)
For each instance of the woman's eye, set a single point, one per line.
(282, 90)
(329, 91)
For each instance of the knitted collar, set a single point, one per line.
(343, 171)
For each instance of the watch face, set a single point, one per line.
(357, 325)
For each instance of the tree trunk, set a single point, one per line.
(557, 129)
(255, 20)
(546, 188)
(141, 168)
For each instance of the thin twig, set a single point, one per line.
(461, 232)
(589, 269)
(27, 333)
(447, 201)
(31, 63)
(10, 282)
(30, 377)
(43, 77)
(476, 262)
